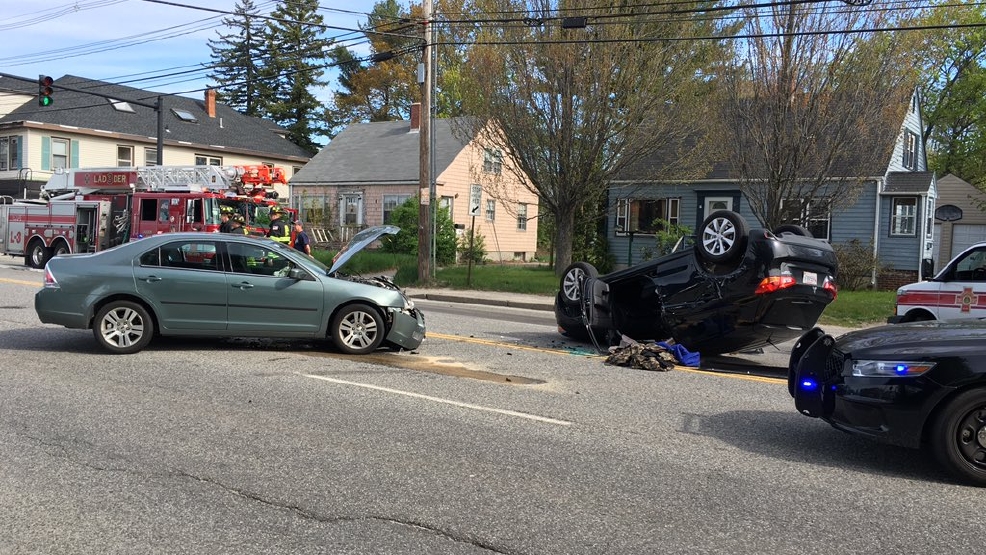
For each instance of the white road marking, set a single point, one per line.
(445, 401)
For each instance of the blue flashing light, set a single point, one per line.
(901, 369)
(809, 385)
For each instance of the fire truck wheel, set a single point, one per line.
(60, 249)
(357, 329)
(123, 327)
(37, 254)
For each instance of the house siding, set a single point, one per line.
(957, 192)
(99, 152)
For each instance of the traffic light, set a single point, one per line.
(45, 90)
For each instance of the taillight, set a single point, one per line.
(774, 283)
(829, 286)
(50, 281)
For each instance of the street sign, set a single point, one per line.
(475, 198)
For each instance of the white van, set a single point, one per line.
(957, 292)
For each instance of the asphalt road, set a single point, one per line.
(496, 436)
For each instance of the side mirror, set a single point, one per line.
(298, 274)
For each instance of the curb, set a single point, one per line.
(445, 297)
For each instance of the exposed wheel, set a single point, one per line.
(357, 329)
(919, 316)
(60, 249)
(572, 280)
(958, 437)
(792, 228)
(37, 254)
(723, 237)
(123, 327)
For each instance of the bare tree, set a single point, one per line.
(572, 107)
(812, 106)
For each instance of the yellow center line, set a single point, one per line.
(34, 283)
(492, 343)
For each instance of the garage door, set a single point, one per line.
(966, 235)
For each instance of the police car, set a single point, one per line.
(957, 292)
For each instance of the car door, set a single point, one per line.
(184, 284)
(963, 293)
(262, 298)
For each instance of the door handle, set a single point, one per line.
(243, 285)
(150, 279)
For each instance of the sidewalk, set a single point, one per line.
(493, 298)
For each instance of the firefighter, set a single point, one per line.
(239, 227)
(225, 217)
(278, 230)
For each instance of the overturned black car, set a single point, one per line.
(731, 290)
(918, 385)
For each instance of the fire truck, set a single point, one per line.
(89, 210)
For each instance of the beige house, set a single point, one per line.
(115, 127)
(959, 223)
(371, 168)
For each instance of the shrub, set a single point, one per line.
(856, 264)
(472, 250)
(405, 217)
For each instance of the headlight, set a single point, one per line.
(874, 368)
(408, 304)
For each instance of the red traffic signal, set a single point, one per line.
(45, 90)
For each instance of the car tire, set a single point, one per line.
(793, 229)
(37, 254)
(572, 279)
(722, 237)
(357, 329)
(123, 327)
(60, 249)
(958, 436)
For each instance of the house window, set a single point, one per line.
(930, 214)
(492, 160)
(903, 216)
(646, 215)
(446, 203)
(59, 153)
(522, 216)
(813, 215)
(391, 202)
(490, 210)
(184, 115)
(124, 156)
(206, 160)
(150, 157)
(8, 154)
(910, 151)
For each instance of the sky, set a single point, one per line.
(139, 42)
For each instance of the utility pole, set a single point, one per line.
(424, 161)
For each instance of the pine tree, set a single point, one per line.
(238, 62)
(296, 51)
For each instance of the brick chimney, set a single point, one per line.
(416, 116)
(210, 102)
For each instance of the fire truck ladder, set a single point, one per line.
(184, 178)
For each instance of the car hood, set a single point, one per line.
(359, 242)
(915, 338)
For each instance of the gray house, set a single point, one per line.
(959, 223)
(894, 208)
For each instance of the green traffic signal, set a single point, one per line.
(45, 90)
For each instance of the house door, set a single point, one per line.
(717, 203)
(351, 209)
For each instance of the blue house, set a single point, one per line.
(894, 208)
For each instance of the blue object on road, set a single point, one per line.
(683, 355)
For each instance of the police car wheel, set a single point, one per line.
(958, 436)
(123, 327)
(357, 329)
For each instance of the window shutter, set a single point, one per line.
(74, 155)
(46, 153)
